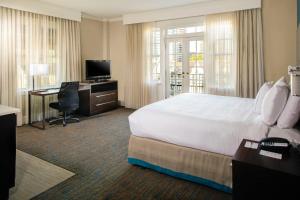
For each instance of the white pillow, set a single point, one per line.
(260, 96)
(291, 113)
(274, 102)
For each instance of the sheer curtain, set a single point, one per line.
(233, 57)
(220, 54)
(143, 61)
(27, 38)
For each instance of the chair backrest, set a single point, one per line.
(68, 98)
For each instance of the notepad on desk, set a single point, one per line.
(270, 154)
(251, 145)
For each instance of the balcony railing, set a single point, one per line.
(196, 83)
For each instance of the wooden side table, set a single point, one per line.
(260, 177)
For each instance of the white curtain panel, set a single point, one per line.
(27, 38)
(153, 70)
(141, 88)
(220, 54)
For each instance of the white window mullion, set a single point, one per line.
(175, 80)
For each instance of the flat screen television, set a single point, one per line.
(97, 70)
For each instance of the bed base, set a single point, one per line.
(202, 167)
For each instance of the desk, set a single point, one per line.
(43, 94)
(94, 98)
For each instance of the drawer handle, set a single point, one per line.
(104, 95)
(100, 104)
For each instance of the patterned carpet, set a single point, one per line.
(96, 151)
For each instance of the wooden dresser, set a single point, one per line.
(97, 98)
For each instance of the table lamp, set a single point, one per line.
(38, 70)
(294, 72)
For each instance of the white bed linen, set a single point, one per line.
(206, 122)
(293, 135)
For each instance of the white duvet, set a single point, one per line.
(206, 122)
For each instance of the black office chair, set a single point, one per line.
(68, 102)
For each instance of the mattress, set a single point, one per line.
(206, 122)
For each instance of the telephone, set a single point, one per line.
(275, 144)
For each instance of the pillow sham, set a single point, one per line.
(291, 113)
(274, 102)
(260, 96)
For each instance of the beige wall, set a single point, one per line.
(279, 26)
(102, 40)
(117, 46)
(94, 43)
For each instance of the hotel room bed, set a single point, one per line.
(193, 136)
(206, 122)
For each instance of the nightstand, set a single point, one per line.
(260, 177)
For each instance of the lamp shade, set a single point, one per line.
(294, 72)
(295, 85)
(39, 69)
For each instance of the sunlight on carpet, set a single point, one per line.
(34, 176)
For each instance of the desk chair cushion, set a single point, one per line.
(57, 106)
(54, 105)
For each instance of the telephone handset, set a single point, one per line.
(275, 144)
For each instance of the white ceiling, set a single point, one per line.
(107, 9)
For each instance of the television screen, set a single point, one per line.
(97, 69)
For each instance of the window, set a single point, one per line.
(223, 52)
(196, 66)
(186, 30)
(185, 59)
(197, 57)
(155, 54)
(47, 53)
(156, 45)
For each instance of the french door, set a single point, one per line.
(184, 65)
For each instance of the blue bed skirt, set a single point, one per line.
(180, 175)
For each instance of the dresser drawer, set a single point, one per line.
(102, 97)
(105, 106)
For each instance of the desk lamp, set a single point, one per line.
(38, 70)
